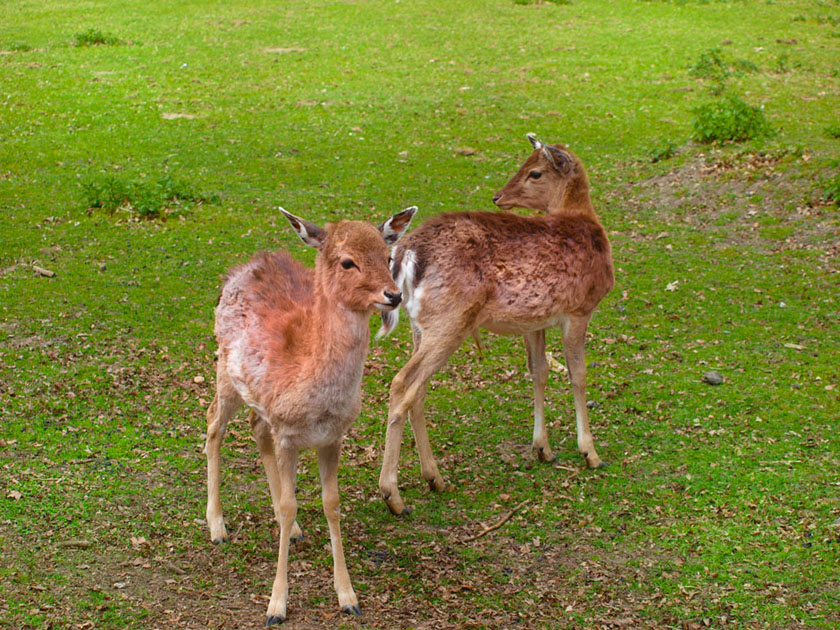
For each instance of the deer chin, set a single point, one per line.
(384, 306)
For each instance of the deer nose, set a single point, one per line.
(394, 298)
(496, 197)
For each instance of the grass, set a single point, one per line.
(719, 507)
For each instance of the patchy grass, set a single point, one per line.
(719, 507)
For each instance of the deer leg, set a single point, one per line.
(574, 336)
(428, 465)
(225, 403)
(328, 467)
(538, 368)
(407, 388)
(287, 471)
(262, 434)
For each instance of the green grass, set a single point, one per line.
(719, 504)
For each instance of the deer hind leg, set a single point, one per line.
(538, 368)
(328, 468)
(574, 335)
(407, 393)
(262, 434)
(225, 403)
(286, 472)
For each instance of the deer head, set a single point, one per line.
(351, 267)
(551, 179)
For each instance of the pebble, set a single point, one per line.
(713, 377)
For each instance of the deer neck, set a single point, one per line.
(573, 199)
(342, 335)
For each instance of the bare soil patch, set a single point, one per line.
(759, 199)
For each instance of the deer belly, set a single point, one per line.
(312, 418)
(521, 326)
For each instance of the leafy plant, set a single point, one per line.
(94, 37)
(145, 199)
(832, 190)
(729, 119)
(710, 65)
(525, 2)
(833, 131)
(664, 152)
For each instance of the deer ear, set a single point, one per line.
(560, 160)
(538, 144)
(309, 233)
(396, 226)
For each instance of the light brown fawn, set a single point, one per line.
(509, 274)
(292, 343)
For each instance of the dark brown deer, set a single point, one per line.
(509, 274)
(292, 344)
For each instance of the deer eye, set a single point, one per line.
(534, 174)
(348, 264)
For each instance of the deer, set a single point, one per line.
(462, 272)
(291, 346)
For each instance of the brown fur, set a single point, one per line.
(508, 274)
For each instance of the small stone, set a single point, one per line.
(592, 404)
(198, 379)
(713, 377)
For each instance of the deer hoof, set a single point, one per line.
(593, 461)
(436, 484)
(219, 540)
(544, 454)
(352, 610)
(274, 620)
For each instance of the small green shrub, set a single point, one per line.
(744, 66)
(833, 131)
(832, 190)
(710, 65)
(729, 119)
(94, 37)
(147, 199)
(524, 2)
(664, 152)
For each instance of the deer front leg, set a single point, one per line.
(328, 467)
(574, 335)
(408, 390)
(224, 405)
(287, 471)
(390, 464)
(538, 368)
(262, 435)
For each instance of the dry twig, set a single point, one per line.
(43, 272)
(497, 525)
